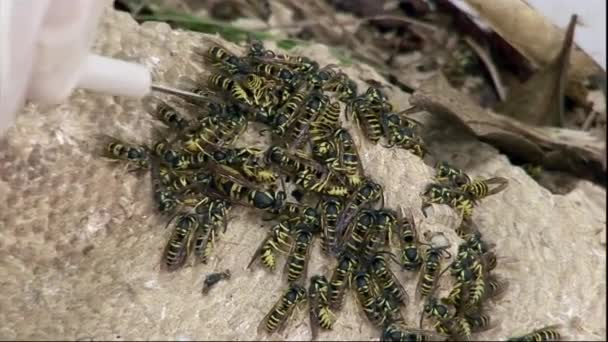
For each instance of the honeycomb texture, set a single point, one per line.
(80, 244)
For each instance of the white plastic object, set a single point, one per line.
(44, 55)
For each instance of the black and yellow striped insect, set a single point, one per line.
(313, 107)
(330, 116)
(166, 201)
(340, 279)
(410, 255)
(137, 156)
(367, 194)
(367, 293)
(442, 194)
(287, 114)
(320, 312)
(479, 321)
(277, 240)
(446, 322)
(179, 245)
(223, 60)
(430, 270)
(297, 262)
(282, 310)
(349, 160)
(387, 280)
(480, 188)
(325, 151)
(229, 184)
(356, 235)
(326, 184)
(171, 157)
(547, 333)
(446, 173)
(330, 209)
(291, 163)
(230, 86)
(212, 216)
(399, 332)
(166, 114)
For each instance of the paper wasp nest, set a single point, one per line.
(80, 243)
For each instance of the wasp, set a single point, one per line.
(366, 296)
(367, 110)
(349, 159)
(229, 85)
(213, 215)
(388, 280)
(278, 239)
(330, 209)
(225, 61)
(166, 114)
(171, 157)
(282, 310)
(291, 163)
(257, 50)
(548, 333)
(214, 278)
(133, 154)
(385, 224)
(369, 192)
(288, 112)
(330, 116)
(194, 141)
(166, 200)
(314, 106)
(496, 287)
(356, 237)
(180, 243)
(299, 64)
(406, 138)
(478, 321)
(445, 172)
(446, 322)
(340, 83)
(245, 160)
(340, 279)
(181, 183)
(276, 71)
(367, 119)
(410, 248)
(430, 270)
(326, 152)
(260, 90)
(320, 313)
(323, 185)
(480, 188)
(229, 183)
(460, 201)
(399, 332)
(297, 261)
(400, 132)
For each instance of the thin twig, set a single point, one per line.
(589, 120)
(487, 61)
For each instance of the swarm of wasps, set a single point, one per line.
(199, 173)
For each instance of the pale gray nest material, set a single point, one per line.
(80, 243)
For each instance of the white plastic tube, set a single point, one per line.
(44, 55)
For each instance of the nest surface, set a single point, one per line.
(81, 244)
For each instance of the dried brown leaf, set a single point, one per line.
(536, 38)
(540, 100)
(556, 148)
